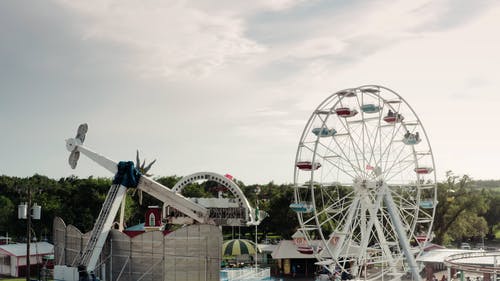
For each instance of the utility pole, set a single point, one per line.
(28, 211)
(28, 231)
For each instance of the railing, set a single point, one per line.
(493, 267)
(245, 274)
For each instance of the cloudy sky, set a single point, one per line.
(227, 86)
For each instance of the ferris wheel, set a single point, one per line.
(365, 187)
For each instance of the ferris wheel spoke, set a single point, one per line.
(371, 142)
(398, 161)
(329, 158)
(363, 152)
(406, 204)
(401, 170)
(342, 157)
(368, 143)
(365, 134)
(354, 146)
(346, 228)
(309, 220)
(334, 210)
(357, 149)
(386, 153)
(378, 133)
(360, 149)
(326, 212)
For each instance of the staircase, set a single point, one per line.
(102, 226)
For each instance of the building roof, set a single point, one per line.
(286, 249)
(267, 248)
(137, 227)
(19, 249)
(432, 247)
(298, 234)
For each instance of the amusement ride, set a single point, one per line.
(229, 206)
(365, 187)
(364, 190)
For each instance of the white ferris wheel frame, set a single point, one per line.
(369, 202)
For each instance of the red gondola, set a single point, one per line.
(423, 170)
(307, 250)
(308, 165)
(346, 112)
(393, 118)
(421, 238)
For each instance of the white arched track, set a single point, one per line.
(231, 186)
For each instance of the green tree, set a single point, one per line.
(492, 216)
(458, 213)
(6, 210)
(282, 220)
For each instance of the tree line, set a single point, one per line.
(466, 210)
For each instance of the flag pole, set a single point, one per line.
(257, 190)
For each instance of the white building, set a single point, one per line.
(13, 257)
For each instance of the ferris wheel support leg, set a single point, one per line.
(346, 229)
(374, 222)
(403, 239)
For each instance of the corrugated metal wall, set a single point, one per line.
(189, 253)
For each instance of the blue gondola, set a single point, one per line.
(370, 108)
(427, 204)
(411, 140)
(301, 207)
(324, 132)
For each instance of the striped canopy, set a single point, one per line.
(238, 247)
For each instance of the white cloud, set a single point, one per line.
(229, 85)
(450, 79)
(317, 47)
(170, 37)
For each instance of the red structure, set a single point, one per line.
(153, 217)
(152, 222)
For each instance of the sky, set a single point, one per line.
(228, 86)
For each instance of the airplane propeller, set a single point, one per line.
(72, 145)
(81, 132)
